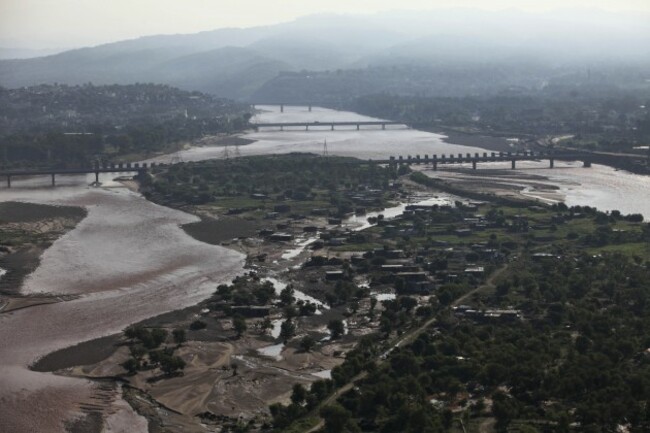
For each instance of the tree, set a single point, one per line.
(265, 293)
(407, 303)
(504, 409)
(197, 325)
(336, 328)
(298, 394)
(179, 336)
(266, 324)
(286, 295)
(287, 330)
(170, 364)
(131, 365)
(239, 324)
(307, 343)
(337, 419)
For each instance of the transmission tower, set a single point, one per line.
(325, 152)
(237, 154)
(226, 153)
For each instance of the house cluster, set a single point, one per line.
(487, 315)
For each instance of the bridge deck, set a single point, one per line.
(44, 171)
(434, 160)
(358, 123)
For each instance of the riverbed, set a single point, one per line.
(127, 260)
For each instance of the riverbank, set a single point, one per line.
(127, 260)
(491, 143)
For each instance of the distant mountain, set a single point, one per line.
(25, 53)
(228, 72)
(246, 63)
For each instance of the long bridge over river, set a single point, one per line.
(434, 161)
(476, 158)
(330, 125)
(96, 169)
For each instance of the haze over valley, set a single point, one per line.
(325, 217)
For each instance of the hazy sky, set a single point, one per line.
(72, 23)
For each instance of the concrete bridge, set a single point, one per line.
(97, 169)
(283, 105)
(331, 125)
(434, 161)
(474, 159)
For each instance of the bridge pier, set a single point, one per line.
(53, 182)
(514, 164)
(551, 163)
(310, 108)
(306, 127)
(474, 164)
(586, 164)
(383, 126)
(332, 127)
(97, 177)
(281, 108)
(358, 126)
(8, 181)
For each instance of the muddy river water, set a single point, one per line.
(129, 259)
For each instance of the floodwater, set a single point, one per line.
(368, 143)
(600, 186)
(127, 260)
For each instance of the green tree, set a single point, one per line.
(336, 328)
(239, 325)
(338, 419)
(171, 364)
(286, 296)
(307, 343)
(287, 330)
(266, 324)
(131, 365)
(179, 336)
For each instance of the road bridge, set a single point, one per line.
(97, 169)
(331, 125)
(434, 161)
(476, 158)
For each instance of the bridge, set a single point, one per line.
(331, 125)
(474, 159)
(97, 169)
(434, 161)
(282, 105)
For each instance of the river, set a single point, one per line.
(129, 260)
(600, 186)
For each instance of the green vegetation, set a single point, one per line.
(556, 337)
(143, 343)
(72, 126)
(506, 313)
(611, 120)
(295, 184)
